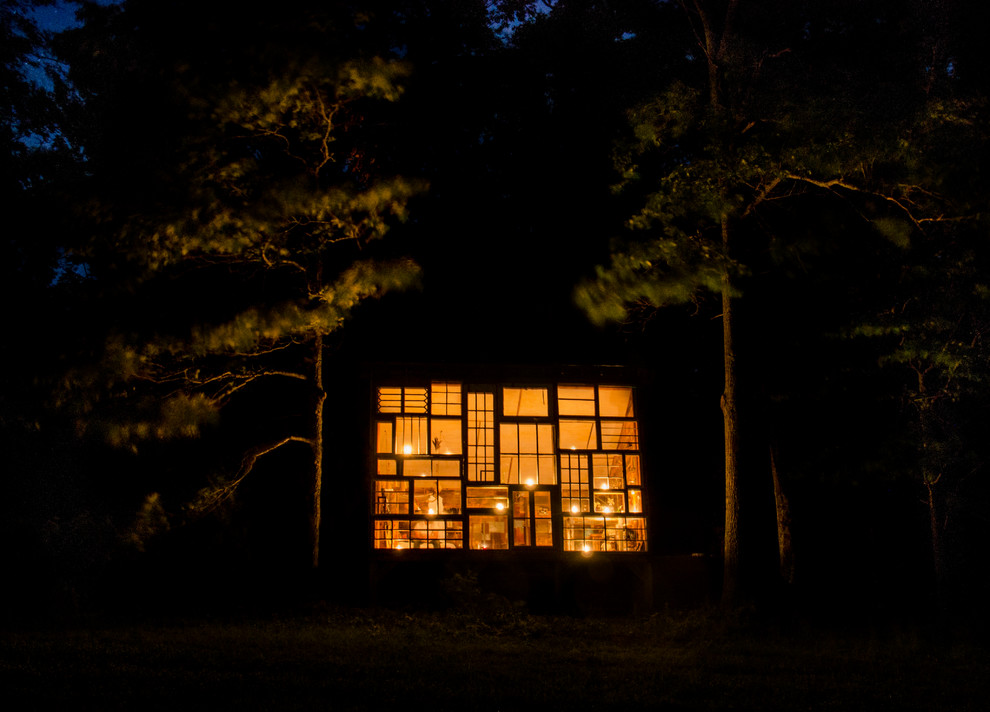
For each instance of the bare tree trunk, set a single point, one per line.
(316, 491)
(931, 474)
(785, 550)
(730, 419)
(936, 534)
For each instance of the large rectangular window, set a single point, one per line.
(487, 467)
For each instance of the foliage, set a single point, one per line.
(783, 166)
(249, 243)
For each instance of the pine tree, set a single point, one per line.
(780, 115)
(233, 191)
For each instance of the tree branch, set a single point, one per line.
(209, 501)
(840, 183)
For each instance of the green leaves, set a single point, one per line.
(896, 230)
(242, 247)
(661, 272)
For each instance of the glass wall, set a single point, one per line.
(552, 467)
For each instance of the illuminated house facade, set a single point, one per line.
(488, 466)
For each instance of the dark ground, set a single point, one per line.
(490, 655)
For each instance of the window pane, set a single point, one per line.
(607, 472)
(445, 436)
(584, 534)
(541, 502)
(445, 398)
(576, 400)
(437, 534)
(384, 438)
(626, 533)
(436, 497)
(548, 470)
(520, 519)
(488, 532)
(528, 440)
(481, 437)
(410, 436)
(615, 401)
(508, 437)
(450, 496)
(636, 501)
(392, 534)
(389, 400)
(529, 470)
(619, 435)
(544, 532)
(446, 468)
(520, 504)
(414, 400)
(544, 438)
(401, 400)
(425, 467)
(425, 497)
(530, 402)
(634, 538)
(632, 470)
(417, 467)
(610, 502)
(578, 435)
(386, 466)
(488, 498)
(391, 497)
(574, 483)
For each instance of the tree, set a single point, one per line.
(239, 250)
(781, 116)
(930, 328)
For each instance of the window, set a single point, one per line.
(527, 453)
(462, 466)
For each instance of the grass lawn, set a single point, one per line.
(497, 659)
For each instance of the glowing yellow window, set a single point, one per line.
(578, 435)
(525, 402)
(576, 400)
(445, 436)
(391, 497)
(615, 401)
(488, 532)
(495, 498)
(410, 436)
(445, 398)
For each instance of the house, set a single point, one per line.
(533, 477)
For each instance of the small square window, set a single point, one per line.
(578, 435)
(615, 401)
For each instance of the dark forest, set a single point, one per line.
(219, 214)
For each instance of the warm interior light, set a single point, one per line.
(499, 506)
(575, 509)
(587, 548)
(432, 511)
(607, 510)
(530, 482)
(407, 449)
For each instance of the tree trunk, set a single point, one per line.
(730, 419)
(931, 475)
(783, 506)
(316, 491)
(936, 536)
